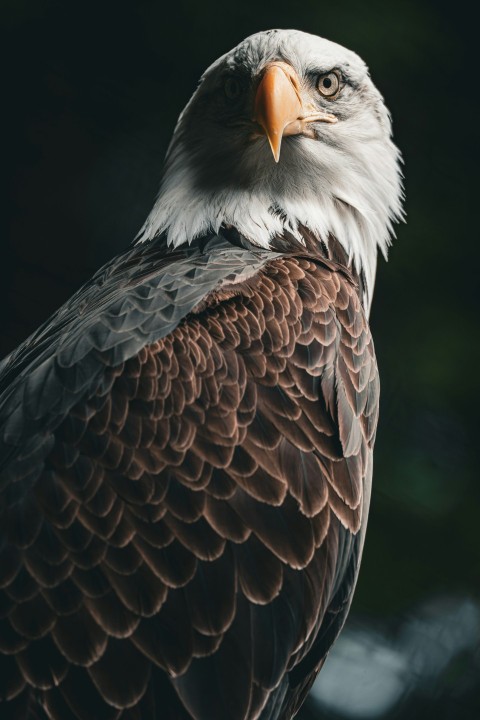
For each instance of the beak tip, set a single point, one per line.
(275, 146)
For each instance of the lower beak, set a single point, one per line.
(279, 108)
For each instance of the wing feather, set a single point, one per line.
(185, 472)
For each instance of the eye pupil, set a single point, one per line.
(231, 88)
(328, 85)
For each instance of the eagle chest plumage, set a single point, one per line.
(186, 476)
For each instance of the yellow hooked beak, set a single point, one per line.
(279, 108)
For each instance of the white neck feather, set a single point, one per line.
(353, 201)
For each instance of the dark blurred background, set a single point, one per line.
(91, 95)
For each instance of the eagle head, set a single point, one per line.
(286, 131)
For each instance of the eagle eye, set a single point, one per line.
(231, 88)
(328, 84)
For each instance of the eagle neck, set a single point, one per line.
(183, 213)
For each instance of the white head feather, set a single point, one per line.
(345, 182)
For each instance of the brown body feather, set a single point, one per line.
(191, 545)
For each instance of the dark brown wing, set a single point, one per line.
(189, 547)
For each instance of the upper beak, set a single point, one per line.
(279, 108)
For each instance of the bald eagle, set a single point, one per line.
(186, 445)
